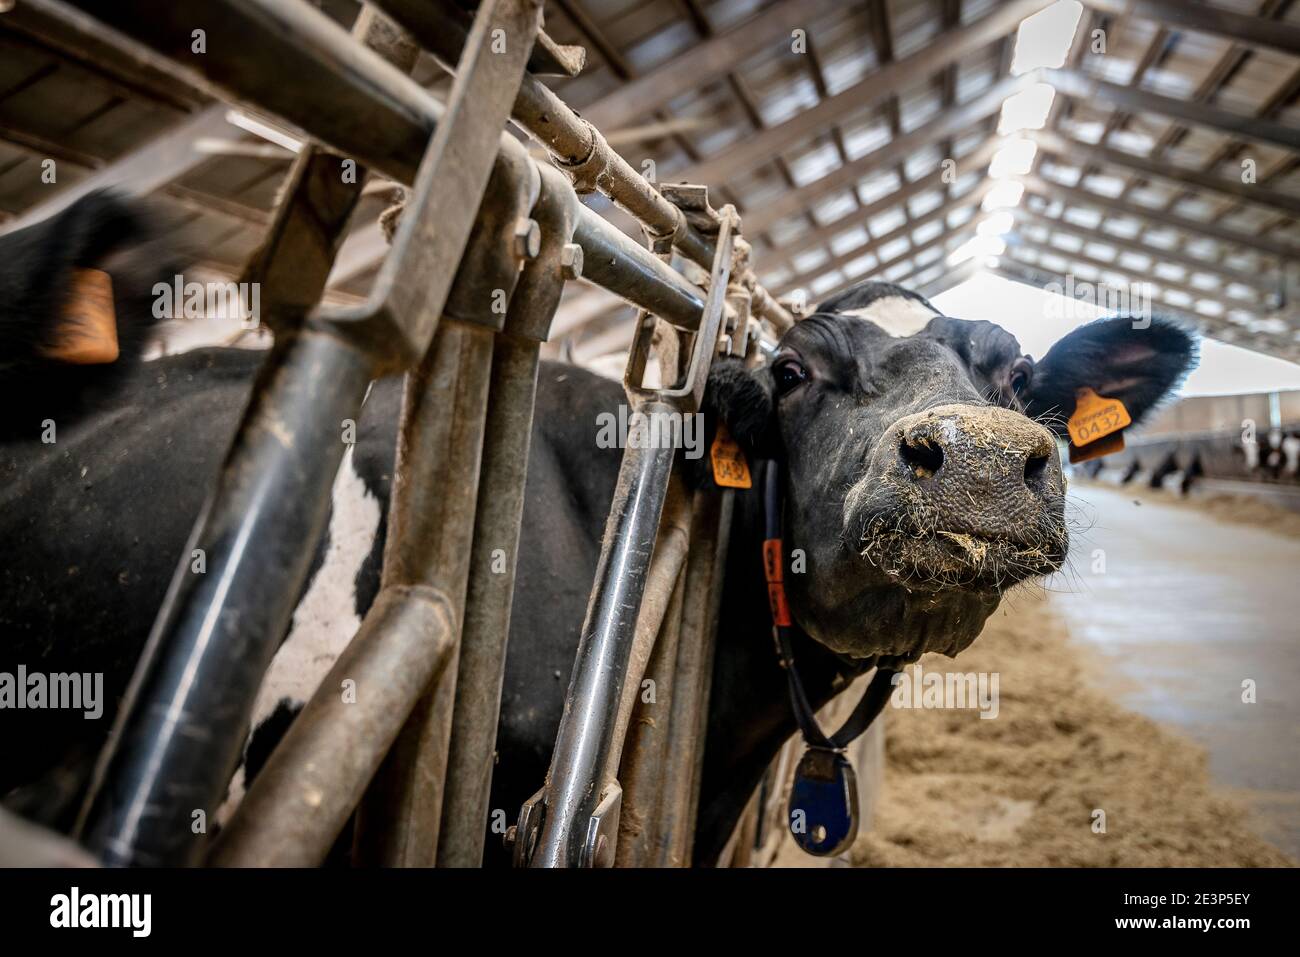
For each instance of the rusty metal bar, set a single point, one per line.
(674, 827)
(502, 480)
(431, 517)
(430, 522)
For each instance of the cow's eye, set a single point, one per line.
(789, 374)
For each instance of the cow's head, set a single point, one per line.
(922, 477)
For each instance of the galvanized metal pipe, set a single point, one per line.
(693, 676)
(431, 526)
(481, 666)
(639, 769)
(612, 258)
(302, 798)
(503, 476)
(585, 748)
(188, 707)
(665, 570)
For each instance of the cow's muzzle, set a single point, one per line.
(961, 495)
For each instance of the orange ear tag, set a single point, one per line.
(730, 470)
(1095, 418)
(87, 333)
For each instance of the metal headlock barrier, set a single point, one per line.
(482, 217)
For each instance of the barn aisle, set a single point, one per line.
(1185, 608)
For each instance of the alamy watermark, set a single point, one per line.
(951, 690)
(651, 430)
(34, 690)
(179, 299)
(1133, 300)
(133, 912)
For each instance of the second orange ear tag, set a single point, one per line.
(730, 469)
(1096, 417)
(87, 332)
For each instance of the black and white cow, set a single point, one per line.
(922, 480)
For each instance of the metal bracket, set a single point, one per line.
(602, 830)
(542, 280)
(396, 323)
(504, 236)
(692, 199)
(690, 392)
(522, 838)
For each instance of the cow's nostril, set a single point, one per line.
(923, 456)
(1035, 467)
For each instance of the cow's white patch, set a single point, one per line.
(897, 315)
(326, 618)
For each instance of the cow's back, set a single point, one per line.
(93, 526)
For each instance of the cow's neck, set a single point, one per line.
(750, 717)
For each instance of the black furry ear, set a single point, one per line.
(38, 269)
(742, 398)
(37, 263)
(1139, 361)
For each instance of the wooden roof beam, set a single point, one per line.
(1220, 327)
(945, 241)
(1226, 275)
(1017, 240)
(977, 158)
(939, 213)
(1074, 150)
(706, 62)
(1190, 15)
(1085, 197)
(948, 123)
(946, 49)
(1082, 86)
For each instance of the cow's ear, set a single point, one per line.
(1138, 361)
(743, 399)
(78, 287)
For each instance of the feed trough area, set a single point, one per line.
(650, 434)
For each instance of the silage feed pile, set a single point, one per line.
(1024, 789)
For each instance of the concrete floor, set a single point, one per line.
(1186, 609)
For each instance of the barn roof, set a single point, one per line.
(857, 140)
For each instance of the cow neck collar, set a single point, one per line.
(783, 631)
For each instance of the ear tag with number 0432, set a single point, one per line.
(730, 470)
(824, 803)
(1096, 427)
